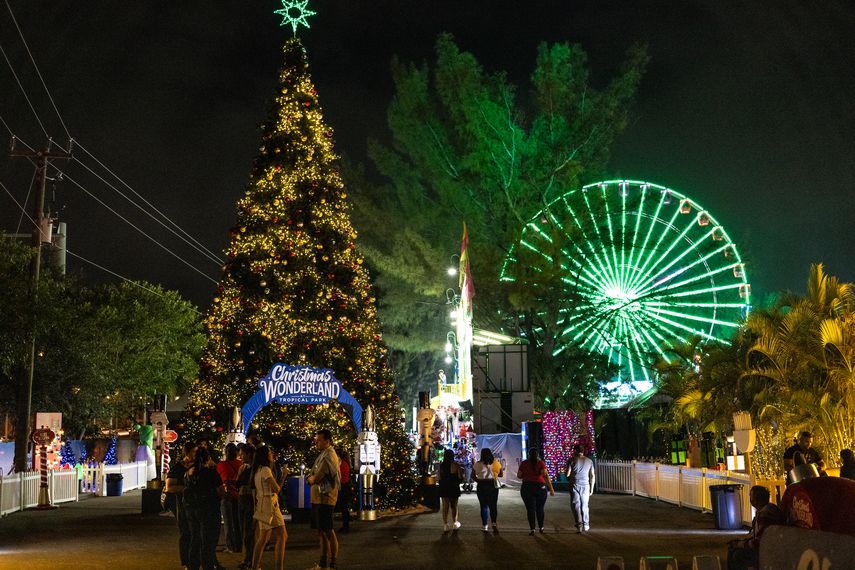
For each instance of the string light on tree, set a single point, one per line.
(294, 290)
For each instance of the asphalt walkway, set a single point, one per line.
(110, 532)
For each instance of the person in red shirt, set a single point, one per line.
(535, 481)
(345, 495)
(228, 470)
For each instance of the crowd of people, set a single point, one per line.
(536, 483)
(241, 493)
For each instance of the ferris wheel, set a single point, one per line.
(642, 267)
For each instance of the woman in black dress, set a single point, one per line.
(449, 489)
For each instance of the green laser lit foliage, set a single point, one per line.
(294, 13)
(639, 267)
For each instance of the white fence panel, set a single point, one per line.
(692, 488)
(645, 480)
(10, 494)
(32, 480)
(63, 486)
(680, 485)
(615, 476)
(91, 479)
(669, 483)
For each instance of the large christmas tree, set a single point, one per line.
(294, 290)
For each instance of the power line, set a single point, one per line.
(20, 207)
(24, 91)
(89, 261)
(127, 221)
(152, 206)
(38, 72)
(26, 199)
(201, 249)
(122, 277)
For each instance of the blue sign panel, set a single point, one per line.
(292, 384)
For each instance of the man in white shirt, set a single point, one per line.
(580, 475)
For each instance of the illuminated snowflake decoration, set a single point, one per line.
(294, 12)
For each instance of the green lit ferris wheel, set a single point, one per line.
(641, 266)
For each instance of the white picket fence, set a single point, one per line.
(682, 486)
(21, 490)
(95, 477)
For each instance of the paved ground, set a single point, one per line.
(109, 532)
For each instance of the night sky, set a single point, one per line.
(747, 107)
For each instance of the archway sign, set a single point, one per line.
(290, 384)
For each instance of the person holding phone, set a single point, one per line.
(267, 513)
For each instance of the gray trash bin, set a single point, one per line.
(726, 503)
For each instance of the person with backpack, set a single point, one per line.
(246, 503)
(203, 490)
(228, 469)
(267, 513)
(175, 496)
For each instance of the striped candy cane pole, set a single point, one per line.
(44, 493)
(164, 459)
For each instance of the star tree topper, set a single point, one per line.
(294, 12)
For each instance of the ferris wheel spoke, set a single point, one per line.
(639, 355)
(695, 279)
(600, 267)
(705, 291)
(664, 327)
(639, 272)
(632, 250)
(692, 247)
(686, 328)
(606, 265)
(650, 227)
(684, 269)
(618, 270)
(707, 305)
(700, 319)
(645, 273)
(623, 192)
(582, 275)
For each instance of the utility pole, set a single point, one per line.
(25, 384)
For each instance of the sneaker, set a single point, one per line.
(541, 530)
(531, 532)
(445, 527)
(456, 525)
(486, 528)
(586, 528)
(495, 528)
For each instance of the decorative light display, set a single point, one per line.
(647, 266)
(294, 14)
(294, 289)
(561, 431)
(110, 457)
(66, 456)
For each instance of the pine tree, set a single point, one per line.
(66, 455)
(294, 290)
(110, 456)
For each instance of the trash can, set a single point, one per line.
(726, 503)
(114, 484)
